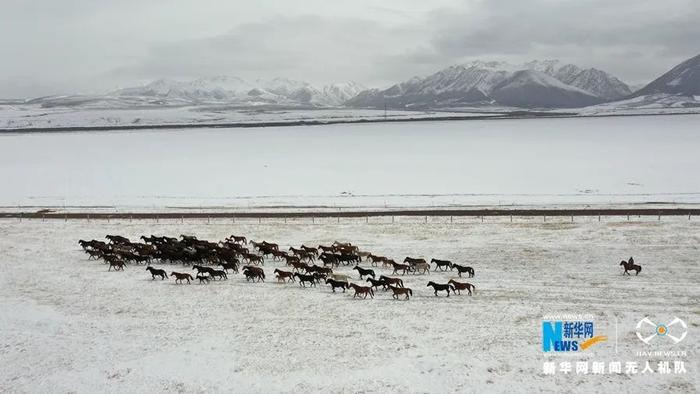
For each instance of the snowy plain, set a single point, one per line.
(23, 116)
(69, 325)
(607, 160)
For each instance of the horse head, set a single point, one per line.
(623, 262)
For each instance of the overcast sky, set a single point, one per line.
(66, 46)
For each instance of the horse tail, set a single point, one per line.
(410, 292)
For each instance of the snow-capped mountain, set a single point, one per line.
(234, 90)
(594, 81)
(682, 80)
(531, 88)
(484, 83)
(678, 90)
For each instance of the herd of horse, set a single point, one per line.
(212, 261)
(230, 254)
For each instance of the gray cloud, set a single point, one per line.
(634, 39)
(90, 45)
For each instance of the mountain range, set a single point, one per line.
(540, 84)
(536, 84)
(234, 90)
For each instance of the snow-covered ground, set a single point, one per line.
(528, 161)
(68, 325)
(24, 116)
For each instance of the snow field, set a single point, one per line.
(69, 325)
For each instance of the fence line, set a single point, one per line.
(545, 215)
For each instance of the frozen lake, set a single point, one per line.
(567, 160)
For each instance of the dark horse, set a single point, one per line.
(252, 273)
(364, 271)
(462, 268)
(376, 283)
(442, 264)
(337, 283)
(203, 279)
(306, 278)
(441, 287)
(221, 274)
(392, 281)
(118, 265)
(202, 270)
(156, 272)
(630, 266)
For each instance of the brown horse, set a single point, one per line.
(401, 291)
(400, 267)
(412, 261)
(179, 277)
(630, 266)
(418, 267)
(458, 286)
(252, 273)
(229, 266)
(290, 259)
(362, 291)
(255, 259)
(311, 250)
(375, 260)
(327, 249)
(296, 251)
(282, 276)
(298, 266)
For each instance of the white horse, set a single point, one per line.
(340, 277)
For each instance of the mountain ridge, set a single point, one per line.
(477, 82)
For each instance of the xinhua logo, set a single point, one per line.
(569, 336)
(648, 330)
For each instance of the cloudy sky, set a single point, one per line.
(66, 46)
